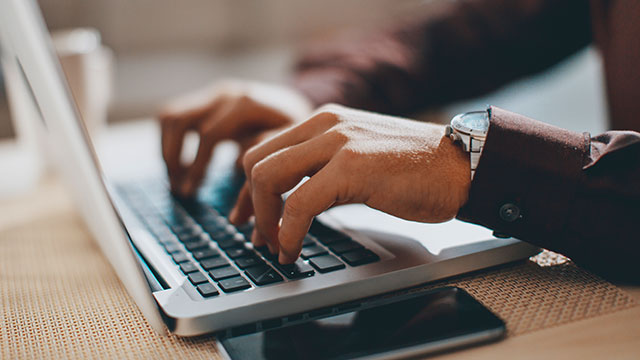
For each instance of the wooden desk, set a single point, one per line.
(615, 335)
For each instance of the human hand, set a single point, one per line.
(233, 109)
(402, 167)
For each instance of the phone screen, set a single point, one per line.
(430, 321)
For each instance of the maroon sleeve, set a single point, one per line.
(564, 191)
(457, 49)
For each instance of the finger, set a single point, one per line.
(243, 208)
(217, 127)
(247, 143)
(290, 137)
(280, 172)
(174, 127)
(173, 133)
(318, 194)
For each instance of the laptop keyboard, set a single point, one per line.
(218, 257)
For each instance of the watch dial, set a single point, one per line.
(476, 120)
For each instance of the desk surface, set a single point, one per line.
(614, 335)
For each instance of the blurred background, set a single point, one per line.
(162, 48)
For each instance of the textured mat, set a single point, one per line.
(60, 298)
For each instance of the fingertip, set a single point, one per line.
(286, 259)
(233, 215)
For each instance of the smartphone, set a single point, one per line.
(417, 324)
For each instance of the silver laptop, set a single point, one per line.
(186, 267)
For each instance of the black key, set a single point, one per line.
(234, 284)
(188, 267)
(179, 257)
(298, 269)
(325, 234)
(197, 245)
(344, 246)
(308, 241)
(197, 278)
(221, 232)
(360, 257)
(246, 230)
(166, 239)
(263, 275)
(205, 254)
(186, 231)
(207, 290)
(223, 273)
(235, 253)
(173, 248)
(267, 254)
(326, 263)
(248, 261)
(235, 240)
(193, 238)
(217, 262)
(311, 251)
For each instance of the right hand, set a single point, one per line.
(229, 110)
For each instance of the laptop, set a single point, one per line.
(187, 268)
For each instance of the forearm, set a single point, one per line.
(457, 49)
(577, 195)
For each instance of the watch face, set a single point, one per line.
(476, 121)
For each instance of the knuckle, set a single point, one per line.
(248, 160)
(348, 155)
(259, 176)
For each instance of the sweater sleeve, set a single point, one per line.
(568, 192)
(457, 49)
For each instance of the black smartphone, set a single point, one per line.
(416, 324)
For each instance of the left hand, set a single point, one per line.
(405, 168)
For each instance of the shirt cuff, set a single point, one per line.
(526, 178)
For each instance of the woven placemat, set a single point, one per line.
(61, 299)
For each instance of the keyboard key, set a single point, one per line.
(223, 273)
(359, 257)
(311, 251)
(234, 284)
(325, 234)
(308, 241)
(197, 245)
(264, 250)
(188, 267)
(193, 238)
(207, 289)
(205, 254)
(326, 263)
(246, 230)
(166, 239)
(179, 257)
(263, 275)
(218, 233)
(186, 231)
(297, 270)
(235, 253)
(217, 262)
(344, 246)
(248, 261)
(232, 240)
(197, 278)
(173, 248)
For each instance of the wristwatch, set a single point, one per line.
(470, 129)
